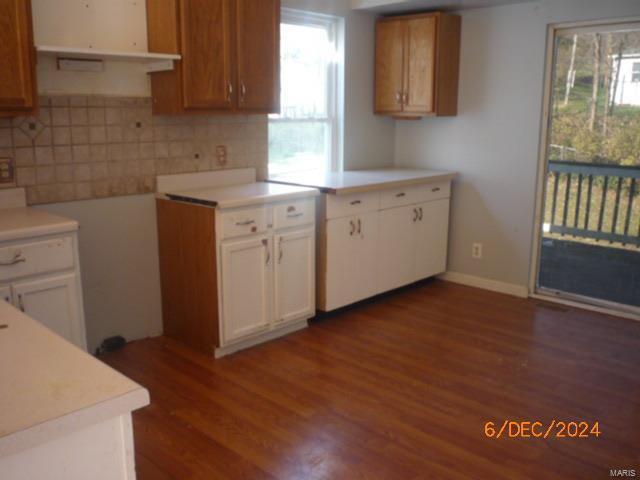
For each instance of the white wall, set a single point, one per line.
(119, 265)
(493, 142)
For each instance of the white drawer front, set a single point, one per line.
(33, 258)
(398, 197)
(244, 222)
(292, 214)
(345, 205)
(434, 191)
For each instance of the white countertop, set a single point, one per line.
(24, 222)
(49, 387)
(243, 195)
(353, 181)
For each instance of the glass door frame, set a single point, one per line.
(535, 291)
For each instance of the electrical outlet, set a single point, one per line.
(476, 251)
(221, 154)
(7, 173)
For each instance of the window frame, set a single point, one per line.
(334, 81)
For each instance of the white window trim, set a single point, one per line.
(335, 81)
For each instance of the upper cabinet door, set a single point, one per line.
(258, 54)
(420, 65)
(205, 27)
(17, 62)
(390, 47)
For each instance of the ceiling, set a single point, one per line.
(395, 6)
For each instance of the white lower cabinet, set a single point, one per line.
(246, 266)
(267, 280)
(398, 242)
(351, 259)
(53, 301)
(294, 275)
(431, 239)
(381, 240)
(41, 277)
(414, 241)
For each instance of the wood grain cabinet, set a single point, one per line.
(230, 55)
(18, 94)
(417, 62)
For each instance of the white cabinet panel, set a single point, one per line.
(294, 275)
(245, 287)
(431, 238)
(397, 243)
(54, 303)
(351, 252)
(5, 293)
(34, 258)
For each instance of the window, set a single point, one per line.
(635, 74)
(306, 135)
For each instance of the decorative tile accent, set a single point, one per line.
(81, 147)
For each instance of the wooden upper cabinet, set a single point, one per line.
(230, 55)
(206, 53)
(417, 62)
(17, 59)
(258, 54)
(390, 40)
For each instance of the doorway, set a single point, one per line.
(588, 229)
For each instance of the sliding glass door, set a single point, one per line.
(589, 238)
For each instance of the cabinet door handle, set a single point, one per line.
(20, 302)
(243, 91)
(359, 226)
(415, 215)
(229, 90)
(356, 202)
(400, 195)
(353, 227)
(420, 210)
(405, 98)
(265, 242)
(399, 98)
(295, 215)
(280, 251)
(17, 258)
(7, 299)
(245, 223)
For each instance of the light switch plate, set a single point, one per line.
(7, 173)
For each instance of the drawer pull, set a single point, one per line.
(17, 258)
(245, 223)
(356, 202)
(437, 189)
(295, 215)
(291, 208)
(400, 195)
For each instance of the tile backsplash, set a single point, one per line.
(81, 147)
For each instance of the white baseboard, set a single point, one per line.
(486, 284)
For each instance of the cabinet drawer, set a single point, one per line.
(292, 214)
(345, 205)
(398, 197)
(433, 191)
(244, 222)
(33, 258)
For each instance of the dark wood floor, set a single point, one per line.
(399, 388)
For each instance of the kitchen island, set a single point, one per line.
(377, 230)
(64, 415)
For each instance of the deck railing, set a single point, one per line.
(600, 202)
